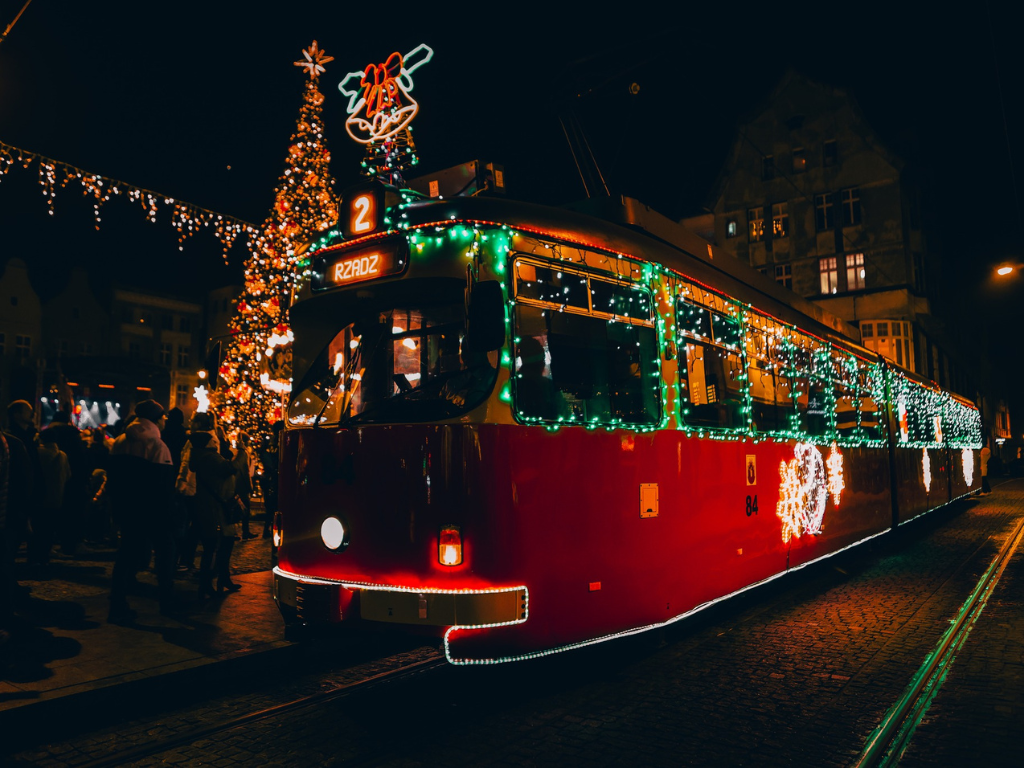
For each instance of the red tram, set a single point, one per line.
(531, 430)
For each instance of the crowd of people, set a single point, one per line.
(161, 491)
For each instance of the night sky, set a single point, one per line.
(168, 96)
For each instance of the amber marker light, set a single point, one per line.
(449, 546)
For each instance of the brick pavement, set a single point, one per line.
(799, 675)
(64, 646)
(796, 674)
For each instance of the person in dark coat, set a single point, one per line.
(215, 489)
(12, 530)
(21, 424)
(270, 461)
(174, 434)
(141, 478)
(71, 520)
(6, 567)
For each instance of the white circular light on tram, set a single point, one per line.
(332, 532)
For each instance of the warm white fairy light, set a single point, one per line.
(835, 474)
(926, 470)
(186, 218)
(967, 459)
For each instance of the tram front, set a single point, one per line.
(386, 466)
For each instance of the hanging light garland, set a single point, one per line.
(186, 218)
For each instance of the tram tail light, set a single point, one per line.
(449, 546)
(277, 533)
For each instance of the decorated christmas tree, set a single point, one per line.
(255, 375)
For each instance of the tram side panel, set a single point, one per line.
(603, 552)
(922, 481)
(857, 503)
(965, 471)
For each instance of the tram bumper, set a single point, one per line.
(310, 600)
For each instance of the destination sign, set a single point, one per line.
(370, 263)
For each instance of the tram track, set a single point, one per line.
(353, 688)
(886, 744)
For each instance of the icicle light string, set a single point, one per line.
(187, 218)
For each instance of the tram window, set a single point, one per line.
(712, 385)
(552, 285)
(584, 369)
(771, 398)
(402, 364)
(620, 300)
(812, 406)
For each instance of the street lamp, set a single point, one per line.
(1003, 271)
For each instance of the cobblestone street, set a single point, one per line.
(798, 673)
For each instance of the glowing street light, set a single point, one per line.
(1003, 271)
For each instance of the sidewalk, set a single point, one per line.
(65, 650)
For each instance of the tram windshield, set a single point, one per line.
(408, 363)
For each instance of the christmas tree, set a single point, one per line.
(255, 373)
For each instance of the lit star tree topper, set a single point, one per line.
(255, 373)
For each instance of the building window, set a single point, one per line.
(182, 357)
(731, 229)
(891, 339)
(147, 318)
(755, 216)
(3, 339)
(768, 167)
(76, 313)
(184, 325)
(127, 315)
(851, 207)
(830, 153)
(167, 322)
(165, 354)
(829, 272)
(799, 160)
(23, 346)
(86, 348)
(780, 220)
(855, 273)
(919, 282)
(62, 348)
(784, 275)
(133, 349)
(823, 221)
(181, 395)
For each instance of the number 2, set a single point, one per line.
(362, 205)
(751, 505)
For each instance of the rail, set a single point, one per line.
(347, 689)
(887, 742)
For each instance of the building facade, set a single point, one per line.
(21, 335)
(811, 198)
(163, 330)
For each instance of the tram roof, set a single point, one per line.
(628, 227)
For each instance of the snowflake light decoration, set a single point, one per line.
(967, 456)
(314, 61)
(926, 468)
(835, 474)
(803, 492)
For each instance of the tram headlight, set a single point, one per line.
(449, 546)
(333, 533)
